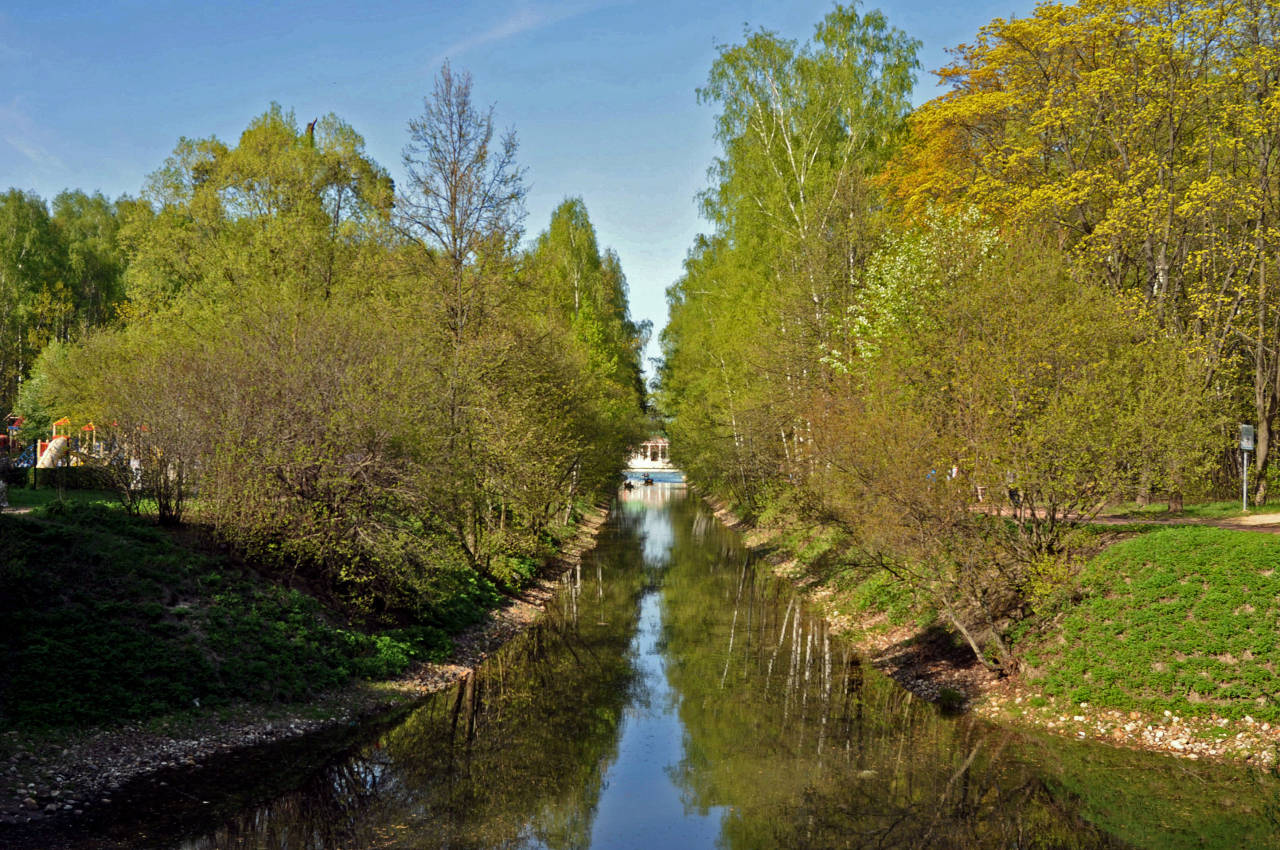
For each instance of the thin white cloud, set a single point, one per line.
(520, 21)
(19, 132)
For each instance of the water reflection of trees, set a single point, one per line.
(807, 747)
(513, 756)
(785, 728)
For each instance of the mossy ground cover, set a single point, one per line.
(1183, 619)
(105, 617)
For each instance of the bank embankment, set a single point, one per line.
(64, 769)
(929, 662)
(1170, 644)
(1167, 640)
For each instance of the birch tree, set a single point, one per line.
(802, 128)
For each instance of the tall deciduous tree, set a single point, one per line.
(465, 195)
(880, 374)
(90, 228)
(461, 210)
(1146, 132)
(583, 292)
(280, 215)
(977, 365)
(36, 303)
(60, 275)
(802, 128)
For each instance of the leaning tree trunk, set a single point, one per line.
(969, 638)
(1260, 458)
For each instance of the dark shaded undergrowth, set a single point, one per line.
(104, 617)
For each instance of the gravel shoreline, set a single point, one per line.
(1245, 741)
(46, 780)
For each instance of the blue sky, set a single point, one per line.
(94, 95)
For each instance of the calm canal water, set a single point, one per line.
(674, 698)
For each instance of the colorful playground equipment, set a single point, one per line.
(53, 450)
(66, 445)
(26, 458)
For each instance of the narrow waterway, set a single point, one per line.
(675, 697)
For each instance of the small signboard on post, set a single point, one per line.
(1247, 435)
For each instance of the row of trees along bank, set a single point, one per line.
(955, 332)
(372, 387)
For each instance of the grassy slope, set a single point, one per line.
(1204, 510)
(1183, 619)
(104, 617)
(1174, 618)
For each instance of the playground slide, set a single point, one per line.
(27, 458)
(53, 453)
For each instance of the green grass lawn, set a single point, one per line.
(105, 617)
(1205, 510)
(1184, 619)
(22, 497)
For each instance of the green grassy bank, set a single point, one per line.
(1181, 619)
(105, 617)
(1184, 619)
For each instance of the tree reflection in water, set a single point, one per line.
(785, 738)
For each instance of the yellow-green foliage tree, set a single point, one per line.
(951, 389)
(32, 294)
(233, 265)
(285, 214)
(1145, 133)
(361, 393)
(802, 127)
(581, 296)
(978, 366)
(60, 274)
